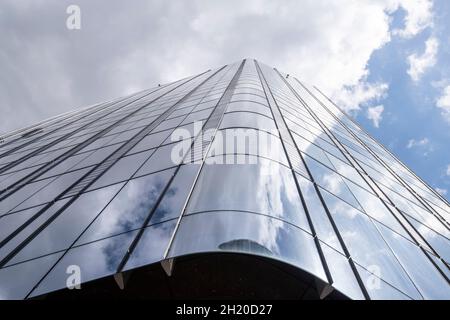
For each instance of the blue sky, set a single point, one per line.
(412, 126)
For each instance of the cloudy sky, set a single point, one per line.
(386, 62)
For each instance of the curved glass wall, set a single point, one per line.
(241, 159)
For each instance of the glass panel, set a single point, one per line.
(168, 124)
(64, 230)
(365, 244)
(379, 289)
(445, 268)
(331, 150)
(248, 89)
(124, 136)
(249, 106)
(54, 187)
(423, 273)
(265, 187)
(431, 221)
(97, 157)
(121, 171)
(11, 222)
(248, 120)
(197, 116)
(319, 217)
(249, 97)
(331, 181)
(376, 209)
(18, 280)
(181, 112)
(129, 208)
(175, 197)
(17, 197)
(312, 150)
(29, 228)
(348, 171)
(248, 141)
(438, 242)
(10, 178)
(66, 165)
(247, 232)
(161, 159)
(152, 245)
(94, 260)
(342, 274)
(150, 141)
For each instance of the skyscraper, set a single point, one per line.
(237, 182)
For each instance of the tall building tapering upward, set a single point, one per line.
(237, 182)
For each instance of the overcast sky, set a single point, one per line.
(386, 61)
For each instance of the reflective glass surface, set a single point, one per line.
(250, 233)
(152, 245)
(129, 208)
(266, 188)
(94, 260)
(64, 230)
(276, 170)
(366, 246)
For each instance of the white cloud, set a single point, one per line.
(353, 97)
(443, 102)
(47, 69)
(419, 64)
(442, 192)
(419, 15)
(417, 143)
(424, 146)
(374, 114)
(448, 170)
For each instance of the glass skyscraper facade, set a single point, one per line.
(243, 159)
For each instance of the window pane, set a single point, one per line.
(248, 141)
(249, 97)
(95, 260)
(319, 217)
(121, 171)
(175, 197)
(249, 106)
(366, 246)
(17, 281)
(129, 208)
(161, 159)
(54, 187)
(150, 141)
(152, 245)
(438, 242)
(10, 222)
(265, 187)
(331, 181)
(379, 289)
(423, 273)
(247, 232)
(376, 209)
(343, 277)
(62, 232)
(248, 120)
(348, 171)
(29, 228)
